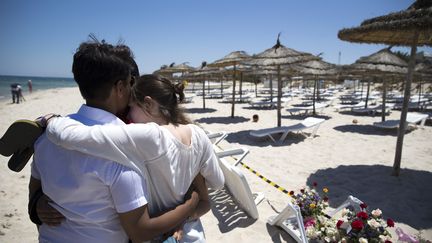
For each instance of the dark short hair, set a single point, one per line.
(165, 92)
(97, 66)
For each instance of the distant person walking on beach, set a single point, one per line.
(101, 200)
(30, 86)
(16, 91)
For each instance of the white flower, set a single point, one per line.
(376, 213)
(384, 238)
(327, 239)
(345, 211)
(363, 240)
(373, 223)
(310, 232)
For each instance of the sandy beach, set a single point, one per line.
(349, 159)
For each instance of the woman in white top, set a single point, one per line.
(167, 149)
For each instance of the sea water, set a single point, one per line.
(38, 83)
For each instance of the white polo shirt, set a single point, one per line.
(168, 165)
(89, 191)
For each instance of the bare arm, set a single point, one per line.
(123, 144)
(140, 227)
(40, 208)
(204, 203)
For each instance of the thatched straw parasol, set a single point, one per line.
(232, 59)
(412, 27)
(383, 65)
(276, 56)
(316, 69)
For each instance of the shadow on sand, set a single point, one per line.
(243, 137)
(229, 215)
(367, 130)
(406, 199)
(200, 110)
(223, 120)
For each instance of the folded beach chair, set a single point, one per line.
(310, 122)
(237, 184)
(291, 220)
(216, 137)
(412, 119)
(319, 107)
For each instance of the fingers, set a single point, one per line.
(47, 214)
(178, 234)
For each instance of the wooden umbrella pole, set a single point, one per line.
(241, 85)
(313, 96)
(233, 92)
(203, 94)
(271, 87)
(221, 81)
(367, 93)
(279, 115)
(401, 131)
(384, 100)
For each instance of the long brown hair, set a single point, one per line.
(165, 92)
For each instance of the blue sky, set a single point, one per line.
(38, 38)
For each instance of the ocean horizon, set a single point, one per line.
(38, 83)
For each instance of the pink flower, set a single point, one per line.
(390, 223)
(309, 222)
(362, 215)
(357, 224)
(339, 223)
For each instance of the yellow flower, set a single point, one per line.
(325, 190)
(312, 205)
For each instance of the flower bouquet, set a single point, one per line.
(318, 225)
(364, 227)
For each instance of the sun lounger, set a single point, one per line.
(216, 137)
(291, 220)
(310, 122)
(412, 119)
(237, 184)
(372, 110)
(343, 107)
(305, 109)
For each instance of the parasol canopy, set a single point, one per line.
(411, 27)
(395, 28)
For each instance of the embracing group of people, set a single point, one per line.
(128, 165)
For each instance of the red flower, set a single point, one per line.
(339, 223)
(325, 199)
(291, 193)
(315, 184)
(390, 223)
(387, 241)
(357, 224)
(302, 190)
(362, 215)
(363, 205)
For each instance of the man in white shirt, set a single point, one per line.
(101, 200)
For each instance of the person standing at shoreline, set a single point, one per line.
(30, 86)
